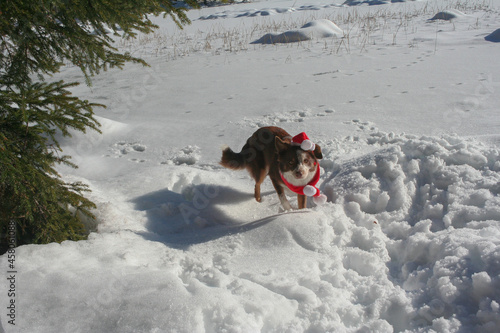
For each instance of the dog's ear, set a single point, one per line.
(281, 145)
(317, 152)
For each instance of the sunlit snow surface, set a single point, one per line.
(406, 110)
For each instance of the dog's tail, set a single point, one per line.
(232, 160)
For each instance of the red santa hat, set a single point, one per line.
(303, 141)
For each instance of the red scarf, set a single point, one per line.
(300, 189)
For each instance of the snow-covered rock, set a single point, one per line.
(313, 30)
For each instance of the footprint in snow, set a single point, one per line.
(188, 155)
(122, 148)
(294, 116)
(362, 126)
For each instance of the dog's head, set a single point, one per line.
(295, 163)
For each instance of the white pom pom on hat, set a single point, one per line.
(307, 145)
(303, 141)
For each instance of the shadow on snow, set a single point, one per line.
(196, 215)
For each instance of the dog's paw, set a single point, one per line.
(286, 209)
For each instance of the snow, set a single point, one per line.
(405, 109)
(371, 2)
(315, 29)
(448, 15)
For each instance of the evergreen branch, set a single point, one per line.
(36, 38)
(64, 31)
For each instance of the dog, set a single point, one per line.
(290, 162)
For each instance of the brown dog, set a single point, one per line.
(291, 163)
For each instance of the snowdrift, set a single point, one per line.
(315, 29)
(421, 179)
(408, 239)
(436, 200)
(448, 15)
(371, 2)
(265, 12)
(248, 13)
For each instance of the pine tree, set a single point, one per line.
(36, 38)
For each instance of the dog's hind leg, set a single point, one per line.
(259, 177)
(257, 192)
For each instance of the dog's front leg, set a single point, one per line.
(302, 201)
(281, 195)
(284, 201)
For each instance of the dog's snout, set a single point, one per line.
(299, 173)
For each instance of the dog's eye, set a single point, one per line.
(291, 162)
(306, 161)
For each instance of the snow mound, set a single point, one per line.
(89, 142)
(448, 15)
(316, 29)
(370, 2)
(265, 12)
(213, 16)
(437, 200)
(494, 36)
(248, 13)
(438, 178)
(188, 155)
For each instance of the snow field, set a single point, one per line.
(378, 257)
(408, 240)
(362, 26)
